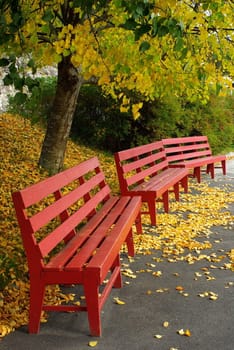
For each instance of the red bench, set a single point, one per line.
(74, 214)
(193, 153)
(144, 171)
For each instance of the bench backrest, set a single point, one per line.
(186, 148)
(50, 211)
(136, 165)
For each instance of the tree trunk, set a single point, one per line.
(61, 116)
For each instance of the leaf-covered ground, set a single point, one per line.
(178, 234)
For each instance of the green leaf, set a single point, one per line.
(145, 45)
(214, 6)
(20, 98)
(8, 80)
(143, 29)
(154, 26)
(48, 16)
(218, 88)
(130, 24)
(4, 62)
(18, 83)
(31, 83)
(179, 44)
(205, 6)
(163, 30)
(184, 52)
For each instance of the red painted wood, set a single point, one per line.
(193, 153)
(91, 226)
(144, 170)
(44, 188)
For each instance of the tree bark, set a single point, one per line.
(61, 116)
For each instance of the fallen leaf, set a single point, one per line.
(93, 343)
(157, 273)
(180, 332)
(118, 301)
(180, 288)
(176, 274)
(198, 274)
(158, 336)
(186, 332)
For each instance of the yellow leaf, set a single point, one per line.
(118, 301)
(165, 324)
(157, 273)
(187, 333)
(158, 336)
(180, 288)
(4, 330)
(93, 343)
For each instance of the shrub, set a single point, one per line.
(38, 102)
(98, 122)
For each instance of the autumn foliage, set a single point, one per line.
(178, 235)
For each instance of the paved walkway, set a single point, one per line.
(132, 326)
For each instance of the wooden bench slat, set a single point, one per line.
(92, 246)
(61, 232)
(59, 261)
(146, 172)
(148, 159)
(103, 258)
(185, 148)
(45, 187)
(185, 139)
(167, 179)
(54, 209)
(188, 156)
(140, 150)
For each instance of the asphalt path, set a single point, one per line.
(147, 312)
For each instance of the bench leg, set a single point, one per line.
(138, 223)
(152, 211)
(118, 278)
(210, 169)
(184, 184)
(176, 191)
(166, 201)
(197, 174)
(91, 289)
(37, 292)
(130, 244)
(223, 163)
